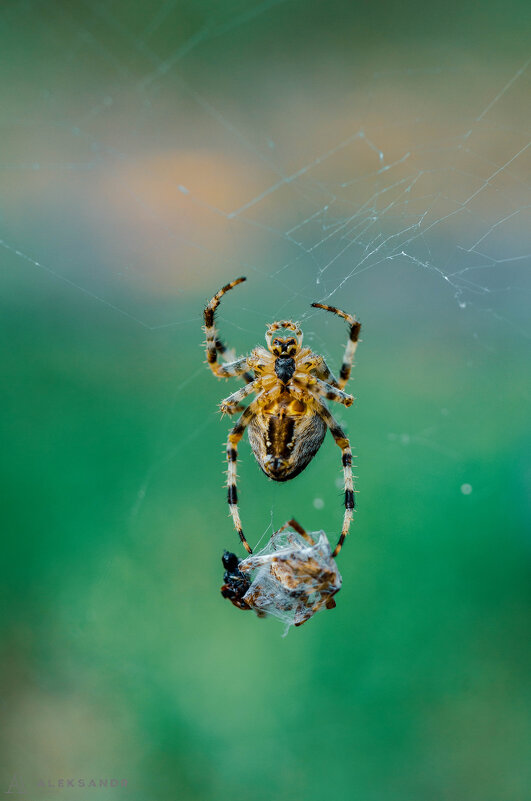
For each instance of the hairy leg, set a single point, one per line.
(346, 460)
(231, 404)
(352, 344)
(234, 437)
(321, 389)
(215, 345)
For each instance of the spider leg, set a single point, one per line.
(234, 409)
(352, 344)
(215, 345)
(323, 371)
(298, 528)
(226, 353)
(231, 404)
(346, 458)
(234, 437)
(232, 369)
(231, 366)
(324, 390)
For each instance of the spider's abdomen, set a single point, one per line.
(285, 443)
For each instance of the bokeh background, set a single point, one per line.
(371, 154)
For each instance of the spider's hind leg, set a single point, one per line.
(234, 437)
(346, 460)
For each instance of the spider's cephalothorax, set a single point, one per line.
(288, 418)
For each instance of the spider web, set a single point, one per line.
(146, 163)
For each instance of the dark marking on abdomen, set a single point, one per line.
(306, 433)
(280, 434)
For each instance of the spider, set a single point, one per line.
(295, 578)
(288, 418)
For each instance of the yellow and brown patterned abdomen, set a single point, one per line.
(284, 437)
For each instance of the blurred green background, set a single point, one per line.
(375, 155)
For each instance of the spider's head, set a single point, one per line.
(286, 346)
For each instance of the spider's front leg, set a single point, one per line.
(352, 344)
(214, 345)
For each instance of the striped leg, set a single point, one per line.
(227, 354)
(232, 369)
(215, 345)
(235, 436)
(352, 344)
(231, 404)
(320, 388)
(323, 371)
(232, 457)
(298, 528)
(346, 458)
